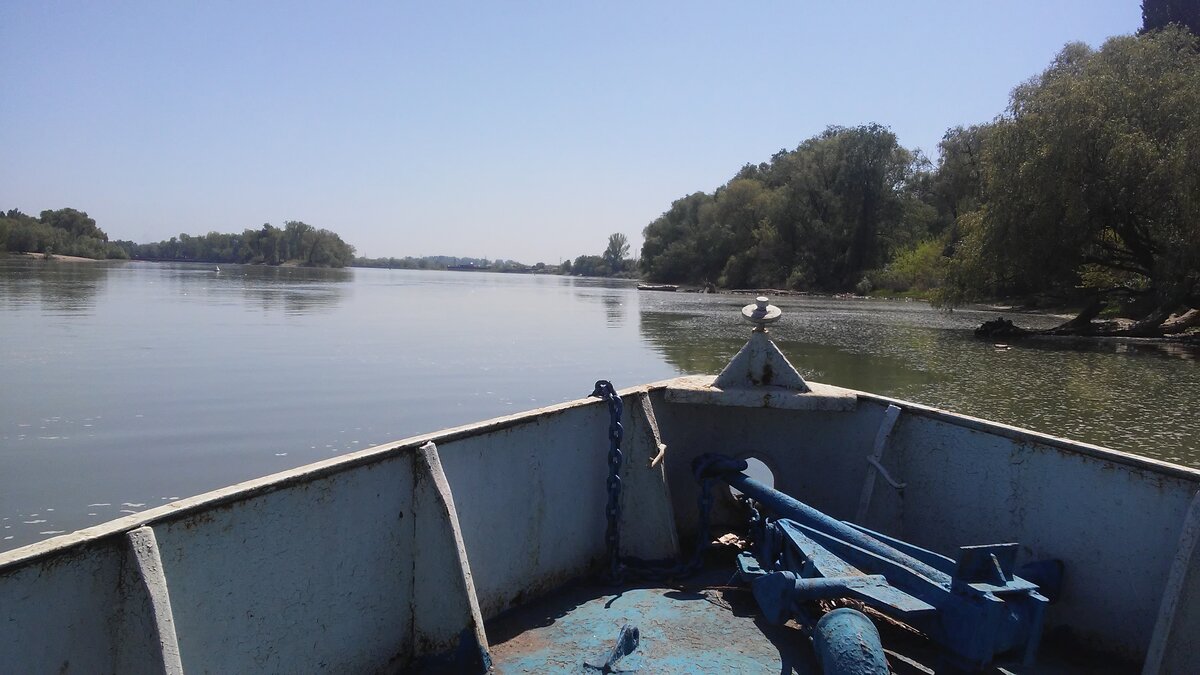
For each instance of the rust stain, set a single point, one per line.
(199, 518)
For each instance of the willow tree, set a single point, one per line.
(847, 206)
(958, 182)
(616, 252)
(1090, 181)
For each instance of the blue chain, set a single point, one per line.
(617, 564)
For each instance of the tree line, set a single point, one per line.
(296, 242)
(72, 232)
(447, 262)
(57, 231)
(1085, 190)
(614, 261)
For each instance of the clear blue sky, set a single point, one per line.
(518, 130)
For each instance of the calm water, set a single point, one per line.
(124, 386)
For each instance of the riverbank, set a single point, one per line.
(1183, 329)
(52, 257)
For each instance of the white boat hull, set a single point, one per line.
(369, 562)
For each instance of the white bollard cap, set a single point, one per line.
(760, 313)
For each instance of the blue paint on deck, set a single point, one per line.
(700, 630)
(709, 631)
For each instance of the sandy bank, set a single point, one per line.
(55, 257)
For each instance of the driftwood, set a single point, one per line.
(1157, 325)
(1179, 323)
(1082, 323)
(1000, 328)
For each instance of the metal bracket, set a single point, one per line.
(890, 416)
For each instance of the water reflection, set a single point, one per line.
(1134, 396)
(151, 381)
(687, 342)
(676, 337)
(613, 294)
(1178, 350)
(294, 290)
(75, 287)
(614, 309)
(64, 287)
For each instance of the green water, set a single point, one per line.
(126, 385)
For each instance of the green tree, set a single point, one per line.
(590, 266)
(816, 217)
(269, 240)
(327, 250)
(957, 185)
(616, 252)
(919, 268)
(1158, 14)
(670, 251)
(61, 231)
(1090, 180)
(297, 242)
(743, 236)
(78, 223)
(846, 204)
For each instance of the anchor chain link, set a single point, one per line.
(619, 565)
(612, 535)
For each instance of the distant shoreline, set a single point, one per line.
(54, 257)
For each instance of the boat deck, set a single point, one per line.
(707, 624)
(711, 629)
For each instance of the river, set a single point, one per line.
(126, 385)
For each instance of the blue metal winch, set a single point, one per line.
(975, 607)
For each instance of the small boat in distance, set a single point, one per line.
(657, 287)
